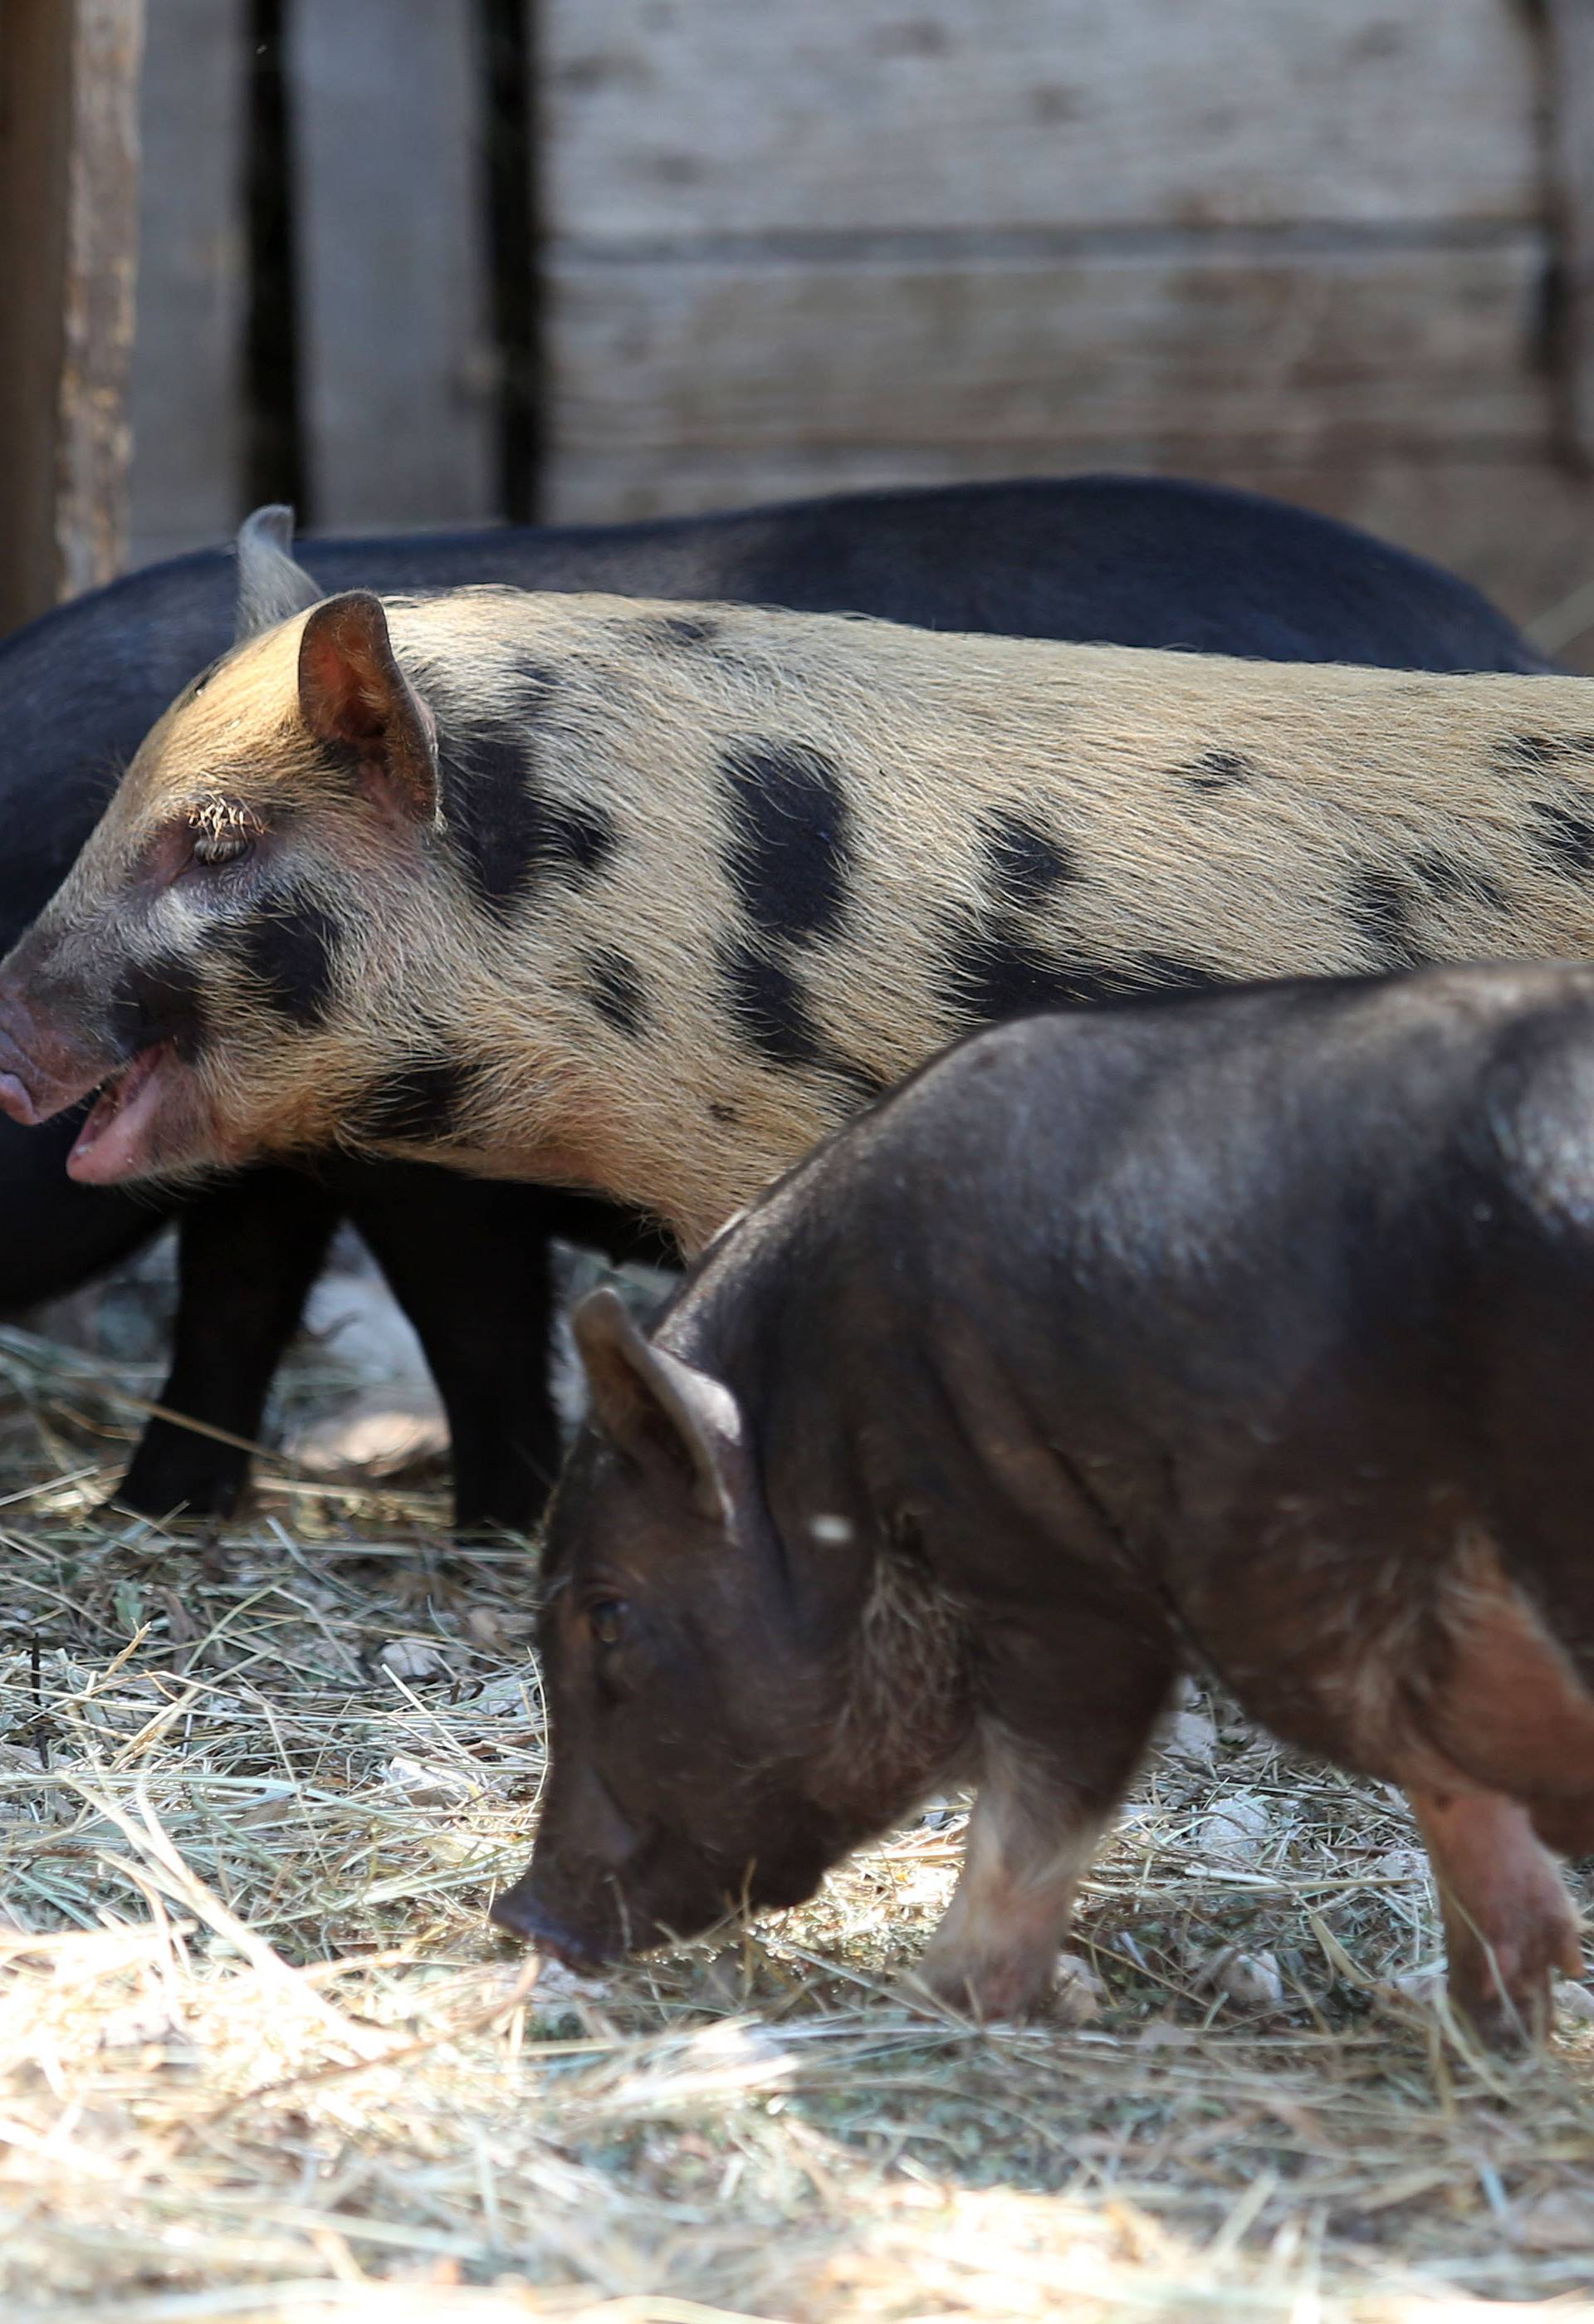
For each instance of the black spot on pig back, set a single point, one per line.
(1518, 752)
(507, 830)
(787, 844)
(1217, 770)
(289, 946)
(666, 632)
(161, 999)
(424, 1101)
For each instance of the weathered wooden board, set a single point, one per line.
(674, 119)
(398, 381)
(1570, 24)
(69, 184)
(1312, 352)
(185, 394)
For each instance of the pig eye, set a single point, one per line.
(221, 831)
(606, 1619)
(225, 847)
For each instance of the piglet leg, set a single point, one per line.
(1507, 1919)
(1054, 1767)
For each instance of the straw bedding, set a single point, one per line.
(261, 2057)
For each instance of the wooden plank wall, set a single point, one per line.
(871, 240)
(1343, 253)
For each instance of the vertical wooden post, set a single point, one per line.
(399, 383)
(68, 223)
(185, 397)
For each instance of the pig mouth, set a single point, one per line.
(118, 1139)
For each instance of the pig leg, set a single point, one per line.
(1047, 1790)
(1507, 1919)
(468, 1262)
(248, 1253)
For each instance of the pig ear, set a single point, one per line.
(351, 690)
(654, 1408)
(271, 585)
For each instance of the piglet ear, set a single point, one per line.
(351, 690)
(657, 1409)
(271, 584)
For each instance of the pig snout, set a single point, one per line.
(570, 1902)
(40, 1069)
(527, 1914)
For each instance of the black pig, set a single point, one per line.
(1252, 1333)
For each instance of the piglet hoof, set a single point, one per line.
(991, 1992)
(1504, 1992)
(1508, 1921)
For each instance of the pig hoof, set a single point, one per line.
(991, 1992)
(1502, 2024)
(1517, 2016)
(1505, 1994)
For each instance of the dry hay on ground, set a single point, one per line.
(260, 2057)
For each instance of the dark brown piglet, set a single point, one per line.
(1251, 1333)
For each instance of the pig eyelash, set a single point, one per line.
(222, 831)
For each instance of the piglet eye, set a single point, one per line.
(606, 1616)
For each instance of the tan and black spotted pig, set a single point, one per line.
(647, 898)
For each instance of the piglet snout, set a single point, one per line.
(524, 1915)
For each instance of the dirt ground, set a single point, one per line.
(261, 2057)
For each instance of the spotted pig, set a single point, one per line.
(1251, 1331)
(645, 898)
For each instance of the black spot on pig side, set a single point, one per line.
(1162, 971)
(423, 1101)
(1457, 882)
(788, 850)
(769, 1010)
(1519, 751)
(1385, 908)
(289, 947)
(161, 999)
(1562, 833)
(617, 991)
(1024, 863)
(994, 969)
(507, 830)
